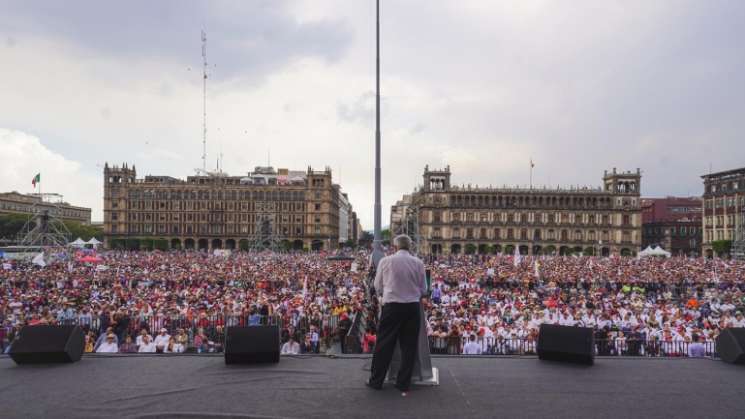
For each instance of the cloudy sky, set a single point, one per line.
(483, 86)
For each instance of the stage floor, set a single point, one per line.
(302, 387)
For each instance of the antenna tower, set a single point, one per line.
(204, 101)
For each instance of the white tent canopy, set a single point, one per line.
(654, 251)
(78, 243)
(658, 251)
(93, 241)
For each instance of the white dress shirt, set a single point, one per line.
(400, 278)
(147, 347)
(162, 340)
(291, 348)
(472, 348)
(107, 347)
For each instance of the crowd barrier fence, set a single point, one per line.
(454, 345)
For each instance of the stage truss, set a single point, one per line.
(44, 228)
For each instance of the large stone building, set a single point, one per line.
(453, 220)
(672, 223)
(724, 206)
(18, 203)
(295, 209)
(402, 218)
(345, 218)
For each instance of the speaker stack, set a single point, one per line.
(566, 344)
(48, 345)
(252, 345)
(731, 345)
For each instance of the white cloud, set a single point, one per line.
(482, 86)
(23, 155)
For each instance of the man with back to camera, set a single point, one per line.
(400, 284)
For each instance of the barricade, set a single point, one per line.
(456, 345)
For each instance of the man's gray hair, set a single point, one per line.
(402, 241)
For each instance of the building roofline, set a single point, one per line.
(726, 172)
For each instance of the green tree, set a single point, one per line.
(11, 225)
(721, 247)
(85, 232)
(132, 244)
(160, 244)
(470, 248)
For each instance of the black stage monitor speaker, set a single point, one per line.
(47, 345)
(566, 343)
(252, 345)
(731, 345)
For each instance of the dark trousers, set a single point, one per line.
(399, 322)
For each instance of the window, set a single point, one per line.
(317, 206)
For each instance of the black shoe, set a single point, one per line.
(373, 386)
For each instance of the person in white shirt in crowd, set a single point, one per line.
(109, 345)
(161, 340)
(147, 345)
(472, 347)
(291, 347)
(141, 336)
(174, 347)
(696, 349)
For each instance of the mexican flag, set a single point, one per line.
(36, 179)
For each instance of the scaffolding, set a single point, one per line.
(265, 236)
(410, 226)
(43, 227)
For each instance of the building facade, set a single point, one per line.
(18, 203)
(345, 218)
(562, 221)
(401, 216)
(724, 203)
(673, 223)
(298, 209)
(356, 228)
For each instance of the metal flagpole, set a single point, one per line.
(531, 173)
(377, 252)
(424, 373)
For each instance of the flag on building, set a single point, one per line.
(36, 179)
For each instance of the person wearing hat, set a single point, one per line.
(147, 346)
(161, 340)
(109, 345)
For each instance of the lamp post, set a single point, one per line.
(377, 252)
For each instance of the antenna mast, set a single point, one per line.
(204, 101)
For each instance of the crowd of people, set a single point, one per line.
(636, 306)
(184, 299)
(172, 302)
